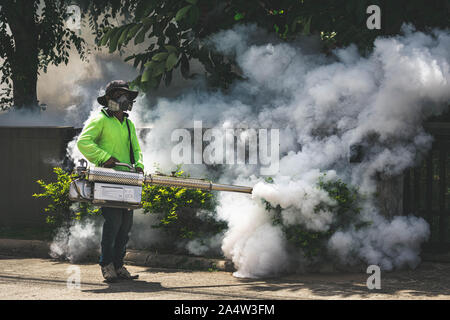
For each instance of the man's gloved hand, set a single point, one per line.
(110, 163)
(139, 169)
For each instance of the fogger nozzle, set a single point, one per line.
(138, 179)
(107, 187)
(190, 183)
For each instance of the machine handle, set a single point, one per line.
(124, 165)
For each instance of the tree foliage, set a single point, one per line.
(178, 29)
(172, 33)
(33, 35)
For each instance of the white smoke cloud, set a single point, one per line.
(205, 246)
(329, 105)
(143, 236)
(300, 198)
(70, 91)
(78, 241)
(256, 247)
(389, 244)
(322, 106)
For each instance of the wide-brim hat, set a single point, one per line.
(116, 85)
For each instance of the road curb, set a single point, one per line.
(157, 260)
(29, 248)
(41, 249)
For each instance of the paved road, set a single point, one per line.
(47, 279)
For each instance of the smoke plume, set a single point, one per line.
(322, 107)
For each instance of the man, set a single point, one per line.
(105, 141)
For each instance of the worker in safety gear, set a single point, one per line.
(108, 138)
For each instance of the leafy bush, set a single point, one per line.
(61, 209)
(183, 213)
(346, 210)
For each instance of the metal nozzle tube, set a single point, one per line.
(169, 181)
(106, 175)
(189, 183)
(232, 188)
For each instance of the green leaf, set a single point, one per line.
(171, 61)
(141, 35)
(137, 60)
(114, 39)
(149, 64)
(277, 29)
(194, 14)
(191, 1)
(162, 56)
(123, 36)
(106, 37)
(148, 20)
(182, 12)
(238, 16)
(146, 75)
(307, 27)
(132, 32)
(170, 48)
(184, 66)
(129, 58)
(158, 69)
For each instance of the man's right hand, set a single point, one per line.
(110, 163)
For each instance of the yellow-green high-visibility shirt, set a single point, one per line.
(104, 136)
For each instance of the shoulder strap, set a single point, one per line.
(131, 146)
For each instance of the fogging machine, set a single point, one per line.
(123, 189)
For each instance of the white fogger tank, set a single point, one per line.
(123, 189)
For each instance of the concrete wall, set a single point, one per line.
(26, 155)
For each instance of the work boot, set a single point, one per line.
(123, 273)
(109, 273)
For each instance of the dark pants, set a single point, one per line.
(116, 229)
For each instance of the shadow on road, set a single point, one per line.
(129, 286)
(429, 280)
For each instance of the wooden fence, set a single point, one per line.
(28, 154)
(426, 188)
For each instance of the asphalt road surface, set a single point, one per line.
(24, 278)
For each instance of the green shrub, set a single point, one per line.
(61, 209)
(177, 208)
(346, 209)
(183, 213)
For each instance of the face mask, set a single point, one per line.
(120, 104)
